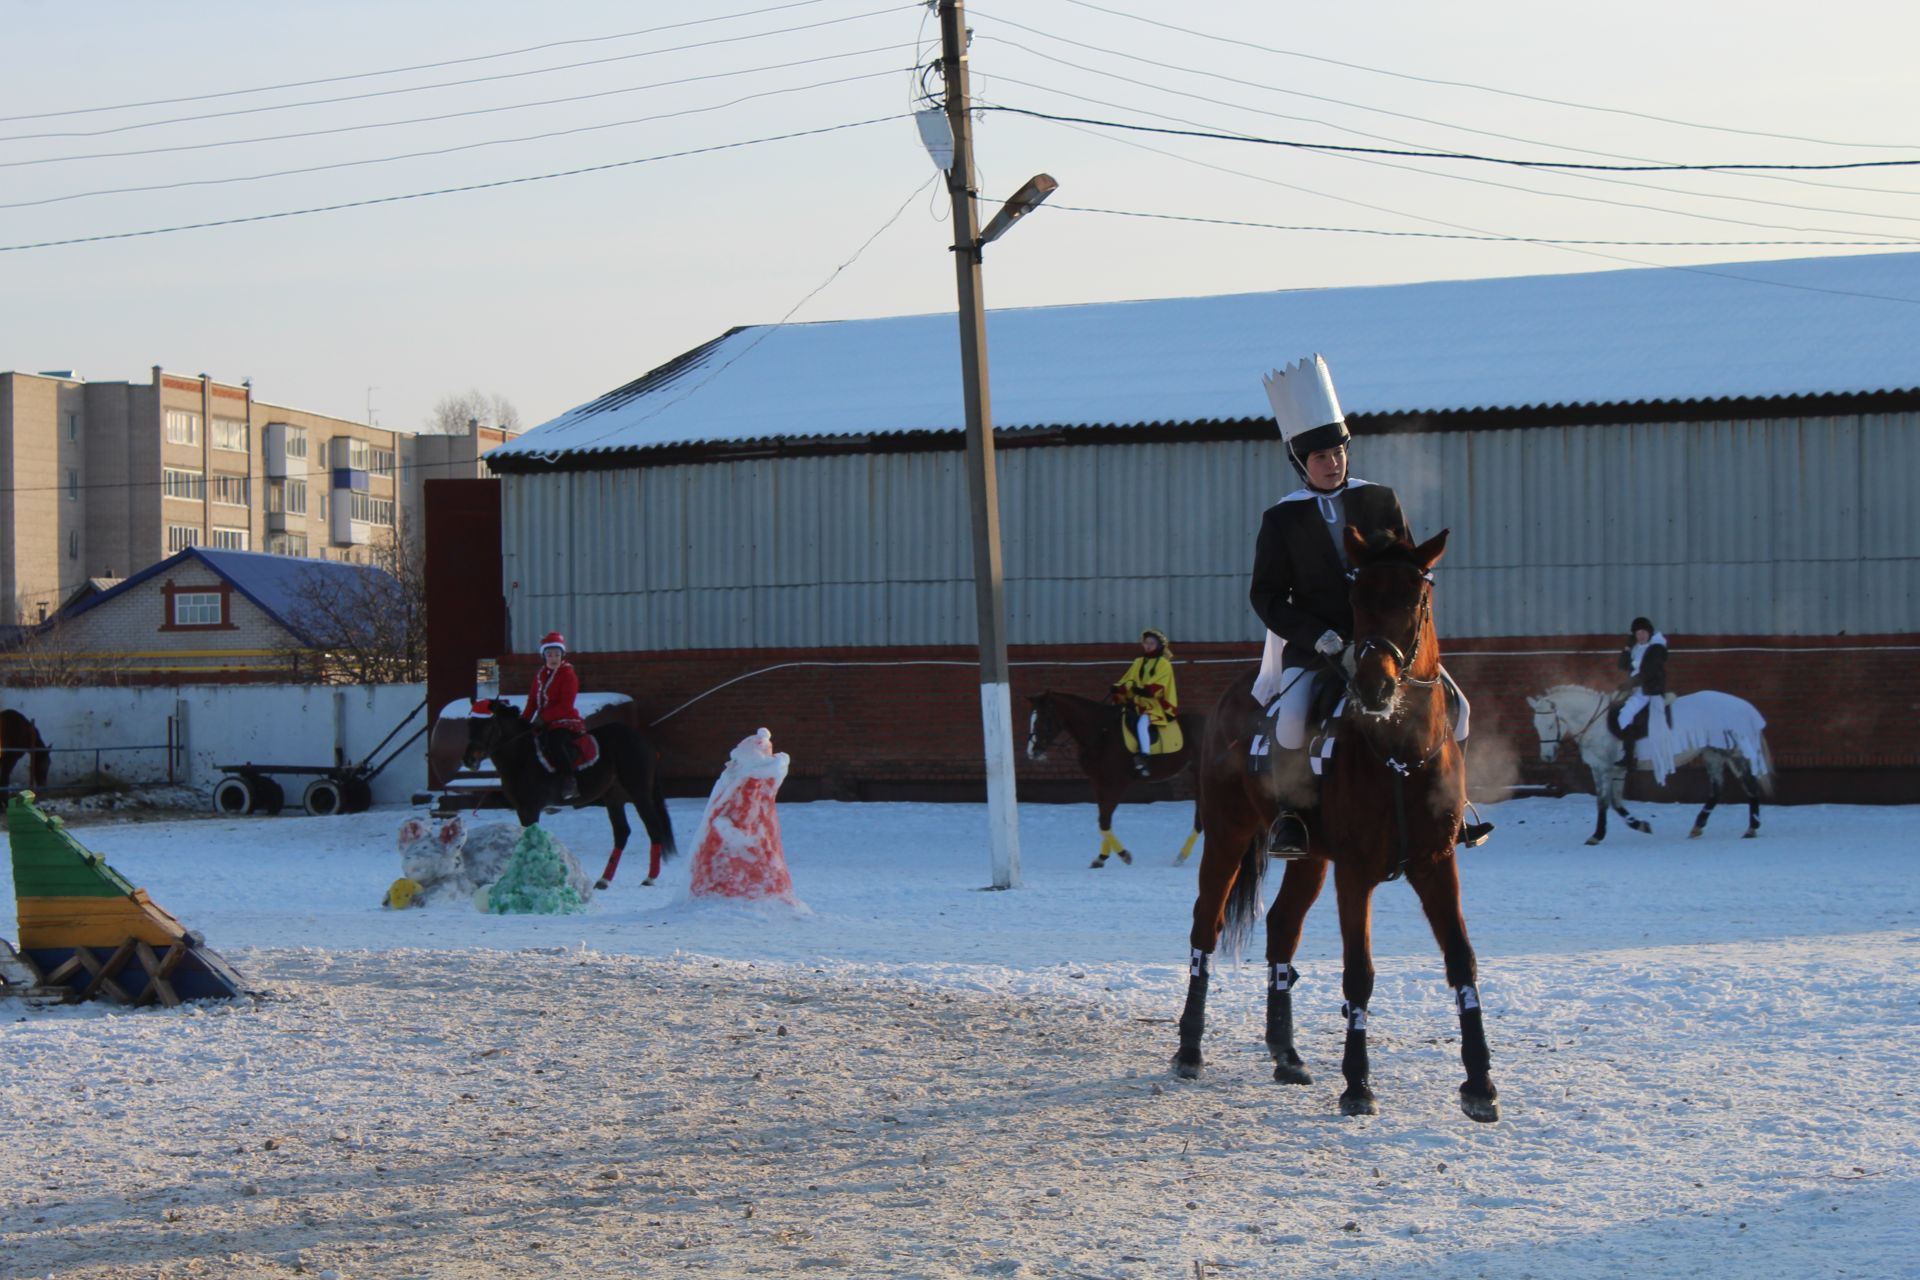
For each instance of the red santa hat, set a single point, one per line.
(553, 640)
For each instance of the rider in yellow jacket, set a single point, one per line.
(1148, 689)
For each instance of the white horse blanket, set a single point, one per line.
(1701, 720)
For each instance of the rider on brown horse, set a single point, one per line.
(1300, 586)
(550, 710)
(1148, 689)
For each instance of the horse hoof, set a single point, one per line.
(1358, 1103)
(1751, 832)
(1185, 1070)
(603, 884)
(1484, 1108)
(1695, 833)
(1644, 828)
(646, 882)
(1097, 863)
(1593, 839)
(1126, 857)
(1291, 1073)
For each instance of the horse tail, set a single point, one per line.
(1760, 758)
(1244, 907)
(657, 798)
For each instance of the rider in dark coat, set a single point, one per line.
(1300, 587)
(1645, 662)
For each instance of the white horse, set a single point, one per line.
(1723, 732)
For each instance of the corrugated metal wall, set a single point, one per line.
(1781, 526)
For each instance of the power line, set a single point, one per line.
(1412, 153)
(1584, 251)
(445, 84)
(384, 124)
(443, 191)
(1280, 115)
(1507, 186)
(1481, 88)
(1454, 235)
(395, 71)
(494, 142)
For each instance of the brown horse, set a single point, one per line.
(624, 774)
(19, 736)
(1391, 804)
(1095, 729)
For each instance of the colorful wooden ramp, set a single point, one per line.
(84, 928)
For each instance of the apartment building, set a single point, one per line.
(103, 479)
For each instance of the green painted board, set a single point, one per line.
(49, 863)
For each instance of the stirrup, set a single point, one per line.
(1287, 838)
(569, 787)
(1474, 834)
(1141, 765)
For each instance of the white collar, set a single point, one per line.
(1307, 495)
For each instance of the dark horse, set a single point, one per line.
(20, 737)
(1095, 729)
(1391, 803)
(624, 774)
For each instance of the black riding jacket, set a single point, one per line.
(1652, 678)
(1300, 574)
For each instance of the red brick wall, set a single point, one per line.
(1842, 713)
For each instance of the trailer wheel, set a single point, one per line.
(358, 794)
(233, 795)
(323, 798)
(269, 797)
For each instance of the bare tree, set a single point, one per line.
(362, 624)
(45, 656)
(452, 412)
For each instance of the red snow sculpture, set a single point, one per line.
(739, 854)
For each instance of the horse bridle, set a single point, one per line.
(1380, 644)
(1559, 725)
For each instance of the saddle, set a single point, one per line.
(1326, 701)
(563, 749)
(1164, 739)
(1637, 729)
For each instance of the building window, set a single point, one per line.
(382, 463)
(231, 490)
(73, 426)
(230, 539)
(287, 544)
(371, 510)
(359, 455)
(182, 427)
(73, 544)
(180, 537)
(189, 486)
(196, 609)
(73, 485)
(296, 442)
(287, 497)
(229, 433)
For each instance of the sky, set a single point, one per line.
(551, 291)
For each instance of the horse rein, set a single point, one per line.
(1559, 725)
(1404, 660)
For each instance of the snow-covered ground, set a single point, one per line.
(1705, 1050)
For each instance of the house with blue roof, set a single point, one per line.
(211, 615)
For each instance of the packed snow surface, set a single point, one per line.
(1705, 1051)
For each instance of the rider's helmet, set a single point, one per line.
(1157, 634)
(1639, 625)
(1307, 409)
(553, 640)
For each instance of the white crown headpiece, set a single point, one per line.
(1302, 396)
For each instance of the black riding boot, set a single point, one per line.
(1287, 838)
(569, 785)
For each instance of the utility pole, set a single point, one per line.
(996, 698)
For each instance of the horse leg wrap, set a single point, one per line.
(613, 864)
(1474, 1053)
(1193, 1018)
(1353, 1062)
(653, 861)
(1281, 979)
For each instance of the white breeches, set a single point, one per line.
(1631, 708)
(1143, 733)
(1296, 698)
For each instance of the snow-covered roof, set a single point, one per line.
(1756, 330)
(282, 586)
